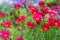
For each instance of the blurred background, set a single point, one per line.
(53, 2)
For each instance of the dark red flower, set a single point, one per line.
(42, 3)
(2, 14)
(48, 5)
(31, 25)
(17, 6)
(44, 10)
(21, 19)
(20, 38)
(51, 21)
(7, 24)
(46, 27)
(11, 13)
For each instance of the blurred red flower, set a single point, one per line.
(17, 6)
(31, 25)
(7, 24)
(44, 10)
(46, 27)
(51, 21)
(48, 5)
(33, 8)
(2, 14)
(21, 19)
(34, 12)
(5, 34)
(38, 18)
(57, 23)
(42, 3)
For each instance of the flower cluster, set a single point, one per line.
(45, 17)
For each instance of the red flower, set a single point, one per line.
(51, 21)
(7, 24)
(31, 25)
(57, 23)
(2, 14)
(5, 34)
(21, 19)
(44, 10)
(34, 12)
(17, 6)
(38, 18)
(48, 5)
(20, 38)
(56, 7)
(46, 27)
(33, 8)
(52, 12)
(42, 3)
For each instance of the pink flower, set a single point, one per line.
(56, 7)
(7, 24)
(38, 18)
(52, 12)
(47, 16)
(5, 34)
(20, 38)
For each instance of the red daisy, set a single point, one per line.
(33, 8)
(7, 24)
(38, 18)
(42, 3)
(46, 27)
(31, 25)
(51, 21)
(17, 6)
(44, 10)
(21, 19)
(5, 34)
(57, 23)
(34, 12)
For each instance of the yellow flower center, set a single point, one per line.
(6, 25)
(32, 8)
(56, 23)
(34, 12)
(5, 35)
(37, 18)
(52, 14)
(45, 28)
